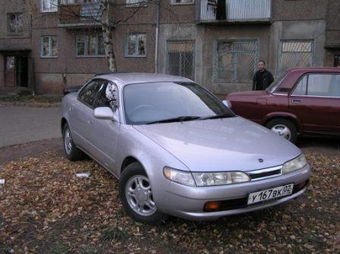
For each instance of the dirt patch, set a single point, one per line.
(325, 145)
(31, 149)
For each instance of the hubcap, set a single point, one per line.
(282, 131)
(139, 195)
(68, 141)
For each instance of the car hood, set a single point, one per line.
(221, 144)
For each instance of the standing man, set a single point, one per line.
(262, 78)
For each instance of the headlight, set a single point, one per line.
(221, 178)
(205, 179)
(293, 165)
(179, 176)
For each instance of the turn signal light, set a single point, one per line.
(212, 206)
(300, 186)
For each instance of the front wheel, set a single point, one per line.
(136, 195)
(284, 128)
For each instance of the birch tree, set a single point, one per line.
(108, 42)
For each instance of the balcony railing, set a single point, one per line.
(234, 11)
(79, 14)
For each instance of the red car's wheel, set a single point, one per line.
(284, 128)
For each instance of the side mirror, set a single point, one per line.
(227, 103)
(105, 113)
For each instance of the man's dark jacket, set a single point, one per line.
(262, 80)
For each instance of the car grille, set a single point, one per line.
(265, 173)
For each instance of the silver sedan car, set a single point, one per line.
(177, 149)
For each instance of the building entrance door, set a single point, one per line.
(16, 70)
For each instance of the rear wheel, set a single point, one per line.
(135, 193)
(71, 151)
(284, 128)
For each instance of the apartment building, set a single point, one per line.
(46, 45)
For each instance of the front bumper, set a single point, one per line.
(188, 202)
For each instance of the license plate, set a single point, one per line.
(269, 194)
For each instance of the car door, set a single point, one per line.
(81, 114)
(103, 134)
(316, 103)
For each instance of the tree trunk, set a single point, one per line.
(107, 36)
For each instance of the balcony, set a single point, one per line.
(234, 11)
(79, 14)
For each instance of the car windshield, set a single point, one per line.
(276, 83)
(165, 102)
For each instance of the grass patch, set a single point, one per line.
(115, 233)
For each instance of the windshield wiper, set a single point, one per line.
(176, 119)
(216, 116)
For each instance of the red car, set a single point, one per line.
(303, 101)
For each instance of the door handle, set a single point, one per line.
(296, 101)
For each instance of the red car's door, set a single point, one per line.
(317, 104)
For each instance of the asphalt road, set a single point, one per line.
(20, 125)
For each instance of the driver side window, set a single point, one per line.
(102, 99)
(90, 93)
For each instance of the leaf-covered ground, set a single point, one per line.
(46, 208)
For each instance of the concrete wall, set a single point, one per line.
(297, 30)
(205, 37)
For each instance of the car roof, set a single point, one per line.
(315, 69)
(140, 77)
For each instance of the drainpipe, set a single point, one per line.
(156, 35)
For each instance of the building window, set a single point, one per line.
(90, 45)
(135, 45)
(48, 46)
(49, 5)
(295, 53)
(235, 61)
(182, 1)
(136, 3)
(181, 58)
(66, 2)
(14, 21)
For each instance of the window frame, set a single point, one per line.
(20, 23)
(182, 55)
(66, 2)
(282, 53)
(234, 77)
(136, 3)
(179, 2)
(136, 45)
(87, 45)
(50, 46)
(52, 5)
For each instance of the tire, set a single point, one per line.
(284, 128)
(135, 193)
(71, 151)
